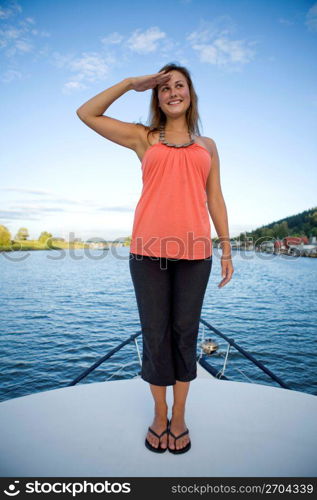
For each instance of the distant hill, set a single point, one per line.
(302, 224)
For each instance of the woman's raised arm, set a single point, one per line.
(126, 134)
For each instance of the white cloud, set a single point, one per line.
(10, 75)
(223, 52)
(70, 86)
(26, 204)
(89, 67)
(24, 46)
(311, 18)
(146, 41)
(13, 8)
(29, 20)
(17, 39)
(26, 191)
(221, 26)
(96, 66)
(282, 20)
(215, 43)
(113, 38)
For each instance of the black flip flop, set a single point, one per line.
(181, 450)
(159, 449)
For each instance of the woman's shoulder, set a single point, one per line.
(207, 143)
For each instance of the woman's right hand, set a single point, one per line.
(141, 83)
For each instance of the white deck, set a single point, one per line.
(237, 429)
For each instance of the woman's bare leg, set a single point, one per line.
(160, 416)
(178, 425)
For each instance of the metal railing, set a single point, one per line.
(245, 353)
(201, 361)
(107, 356)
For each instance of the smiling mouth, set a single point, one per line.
(174, 103)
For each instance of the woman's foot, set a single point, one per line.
(158, 425)
(178, 426)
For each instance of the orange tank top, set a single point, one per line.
(171, 218)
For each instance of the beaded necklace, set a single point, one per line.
(162, 139)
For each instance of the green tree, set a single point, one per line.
(284, 229)
(44, 236)
(313, 218)
(22, 234)
(5, 236)
(267, 233)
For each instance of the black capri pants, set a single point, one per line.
(169, 295)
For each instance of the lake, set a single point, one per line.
(63, 310)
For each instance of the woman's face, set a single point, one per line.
(175, 89)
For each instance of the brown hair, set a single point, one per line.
(156, 115)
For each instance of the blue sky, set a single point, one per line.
(253, 64)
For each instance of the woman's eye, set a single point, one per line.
(178, 85)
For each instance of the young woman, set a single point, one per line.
(170, 255)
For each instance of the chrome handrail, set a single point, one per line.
(200, 360)
(246, 354)
(104, 358)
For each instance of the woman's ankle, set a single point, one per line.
(178, 410)
(160, 409)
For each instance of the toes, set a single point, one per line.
(155, 442)
(181, 443)
(152, 440)
(164, 444)
(171, 444)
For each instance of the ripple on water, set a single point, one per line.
(51, 334)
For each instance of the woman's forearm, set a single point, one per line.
(218, 213)
(97, 105)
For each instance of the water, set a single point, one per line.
(59, 315)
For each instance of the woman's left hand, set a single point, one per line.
(226, 270)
